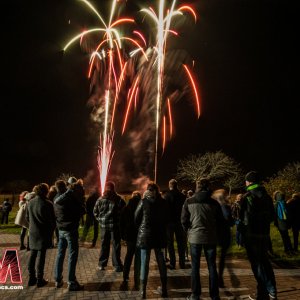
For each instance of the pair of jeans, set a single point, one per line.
(67, 239)
(4, 218)
(106, 236)
(90, 221)
(132, 250)
(177, 230)
(39, 273)
(210, 255)
(145, 259)
(257, 251)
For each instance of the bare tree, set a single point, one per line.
(217, 166)
(287, 180)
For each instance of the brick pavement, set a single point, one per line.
(239, 281)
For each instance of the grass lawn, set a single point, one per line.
(279, 255)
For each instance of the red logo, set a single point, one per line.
(10, 266)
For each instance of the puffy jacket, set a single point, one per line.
(68, 211)
(150, 217)
(202, 218)
(257, 212)
(107, 210)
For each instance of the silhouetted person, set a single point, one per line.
(90, 220)
(175, 200)
(6, 209)
(293, 207)
(235, 209)
(129, 232)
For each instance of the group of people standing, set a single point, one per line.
(151, 221)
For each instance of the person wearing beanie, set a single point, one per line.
(257, 212)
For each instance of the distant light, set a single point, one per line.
(69, 22)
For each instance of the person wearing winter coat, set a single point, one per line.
(202, 219)
(41, 219)
(21, 219)
(107, 211)
(129, 234)
(224, 242)
(293, 208)
(282, 221)
(257, 213)
(6, 209)
(150, 217)
(69, 208)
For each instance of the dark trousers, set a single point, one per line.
(4, 218)
(132, 251)
(177, 230)
(145, 260)
(22, 236)
(90, 221)
(106, 236)
(39, 272)
(239, 236)
(286, 240)
(295, 231)
(257, 251)
(210, 255)
(224, 248)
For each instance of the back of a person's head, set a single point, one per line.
(71, 180)
(152, 186)
(173, 183)
(42, 190)
(136, 194)
(202, 184)
(238, 197)
(253, 177)
(296, 196)
(61, 186)
(52, 192)
(110, 186)
(278, 196)
(221, 196)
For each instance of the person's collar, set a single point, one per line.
(252, 186)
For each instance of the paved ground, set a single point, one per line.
(239, 281)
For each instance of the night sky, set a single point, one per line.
(245, 58)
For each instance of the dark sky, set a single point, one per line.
(245, 53)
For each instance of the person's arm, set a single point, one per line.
(138, 214)
(185, 216)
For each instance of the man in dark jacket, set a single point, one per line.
(202, 218)
(257, 212)
(107, 211)
(41, 218)
(69, 208)
(90, 218)
(129, 234)
(175, 200)
(150, 217)
(6, 209)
